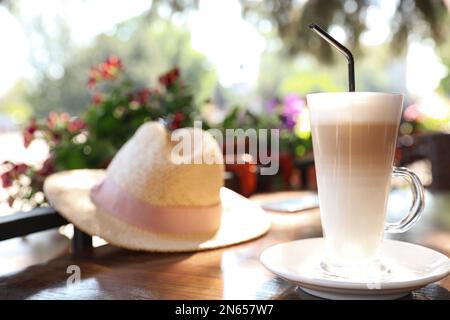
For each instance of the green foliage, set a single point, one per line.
(430, 115)
(147, 47)
(308, 81)
(117, 109)
(421, 18)
(287, 115)
(444, 52)
(15, 105)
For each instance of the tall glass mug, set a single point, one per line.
(354, 139)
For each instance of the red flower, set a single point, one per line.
(32, 126)
(94, 77)
(48, 167)
(28, 133)
(52, 119)
(13, 173)
(20, 168)
(27, 138)
(75, 125)
(176, 121)
(57, 119)
(143, 95)
(6, 180)
(108, 70)
(55, 137)
(170, 78)
(64, 117)
(97, 98)
(114, 62)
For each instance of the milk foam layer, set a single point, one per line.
(355, 107)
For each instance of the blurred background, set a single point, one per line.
(246, 63)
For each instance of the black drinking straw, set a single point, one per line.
(351, 64)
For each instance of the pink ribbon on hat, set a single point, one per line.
(177, 220)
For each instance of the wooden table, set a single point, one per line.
(230, 273)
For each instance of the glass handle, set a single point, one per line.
(417, 206)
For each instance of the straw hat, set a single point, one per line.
(148, 199)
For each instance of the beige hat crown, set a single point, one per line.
(144, 167)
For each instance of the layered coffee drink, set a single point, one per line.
(354, 138)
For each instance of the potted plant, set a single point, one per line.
(90, 140)
(290, 116)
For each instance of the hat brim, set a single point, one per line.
(68, 193)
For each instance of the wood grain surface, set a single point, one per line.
(230, 273)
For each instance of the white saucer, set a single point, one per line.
(412, 267)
